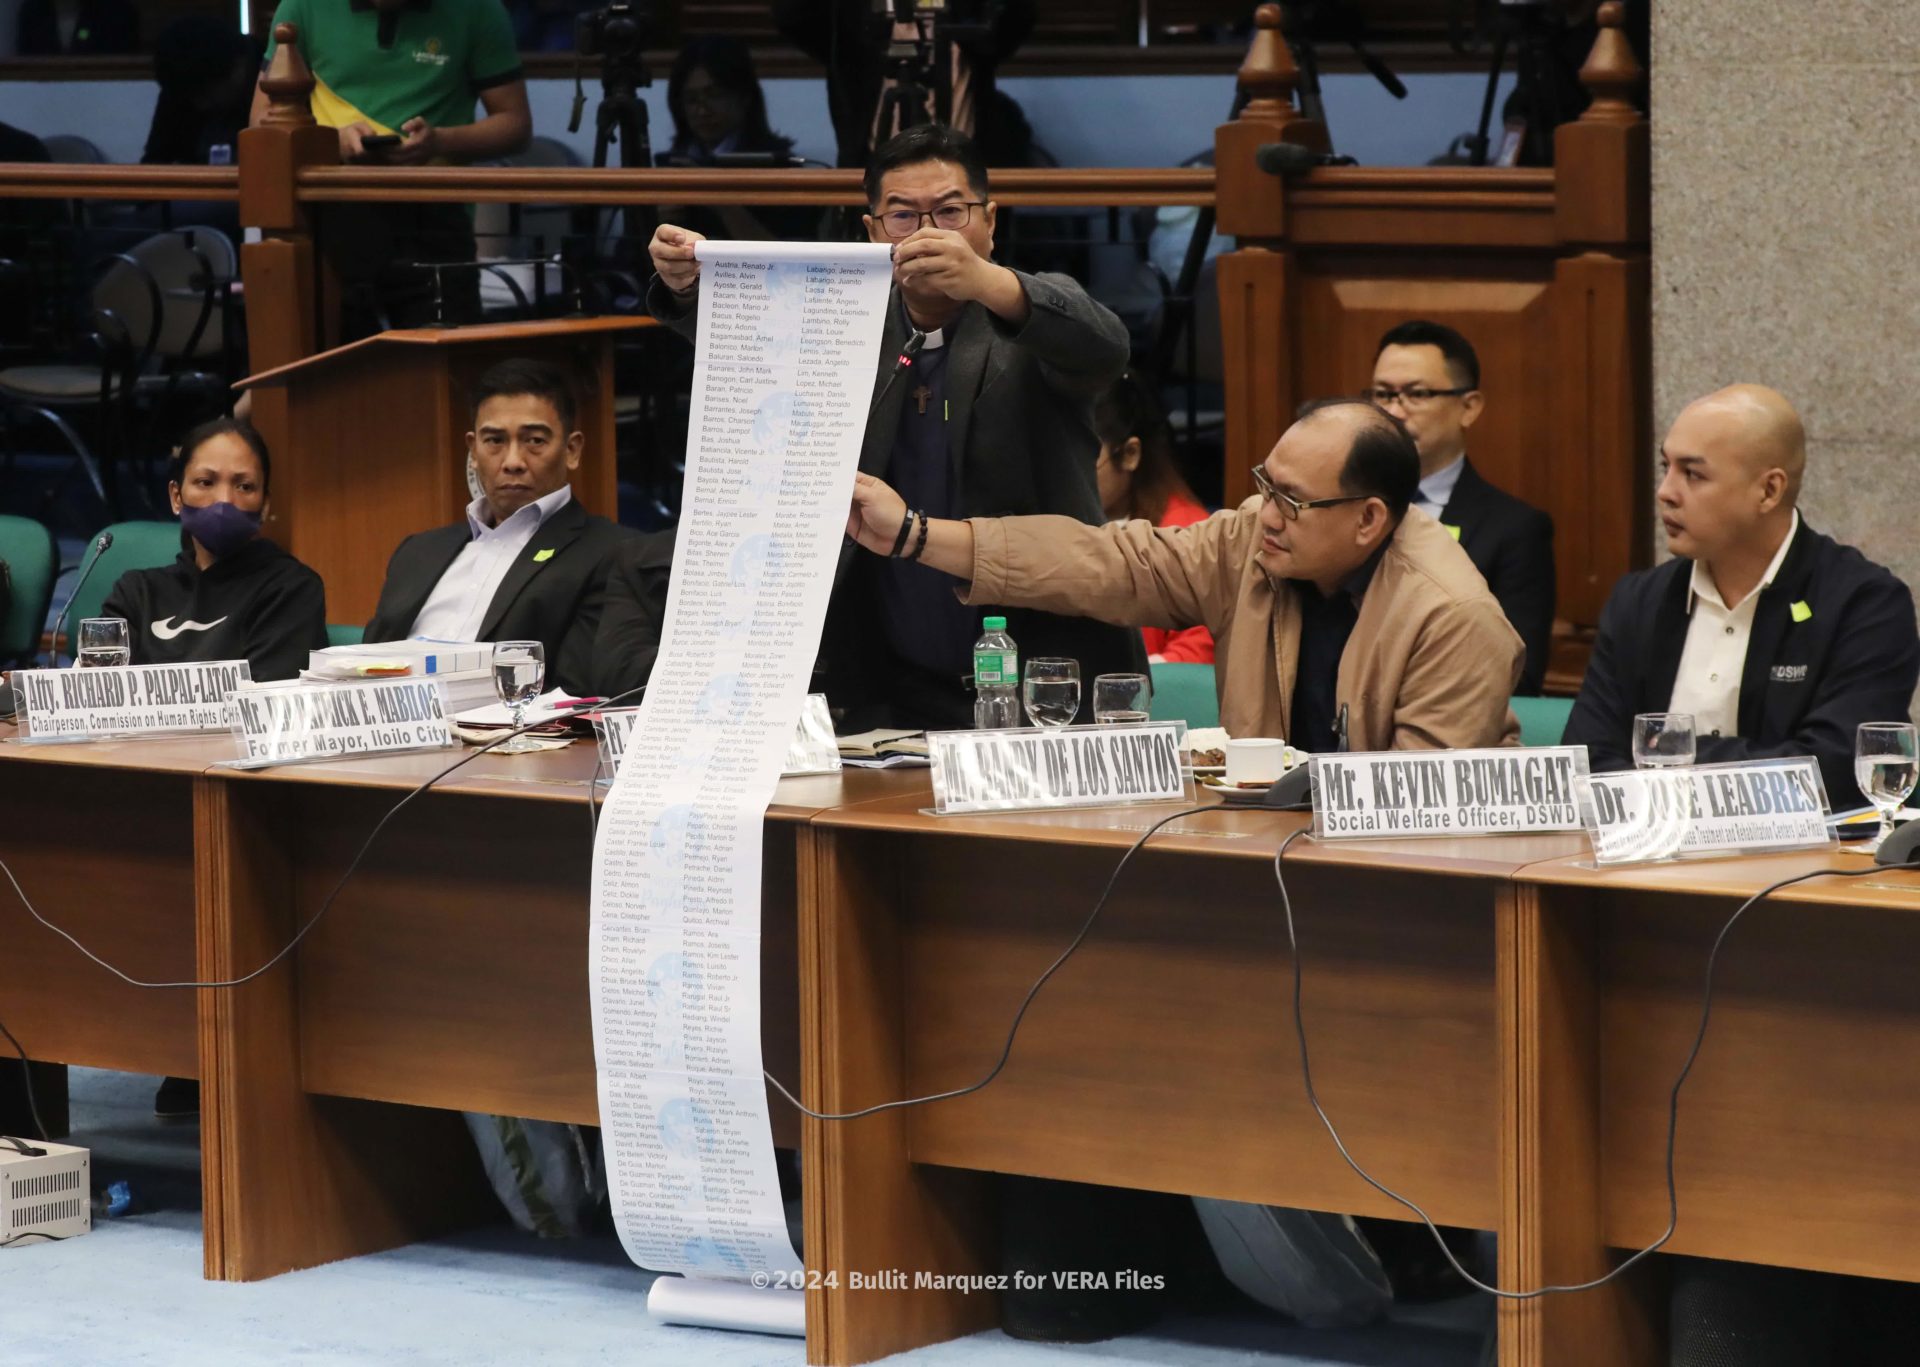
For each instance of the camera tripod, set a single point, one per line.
(620, 118)
(912, 80)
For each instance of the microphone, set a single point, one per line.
(904, 361)
(1900, 848)
(101, 544)
(1291, 159)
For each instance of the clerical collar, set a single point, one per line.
(935, 339)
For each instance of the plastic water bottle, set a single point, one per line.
(996, 678)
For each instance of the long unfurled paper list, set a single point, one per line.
(783, 375)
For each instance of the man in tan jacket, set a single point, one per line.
(1325, 589)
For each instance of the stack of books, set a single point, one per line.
(463, 669)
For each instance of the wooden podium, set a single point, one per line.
(372, 445)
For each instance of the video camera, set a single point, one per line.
(916, 69)
(615, 31)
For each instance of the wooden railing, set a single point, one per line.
(1085, 188)
(38, 180)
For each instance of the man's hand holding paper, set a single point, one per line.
(936, 262)
(672, 253)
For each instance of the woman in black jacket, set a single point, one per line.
(232, 594)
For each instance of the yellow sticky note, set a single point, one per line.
(1452, 530)
(540, 557)
(1801, 612)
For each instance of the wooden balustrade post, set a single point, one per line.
(1253, 279)
(1553, 1232)
(281, 270)
(1603, 354)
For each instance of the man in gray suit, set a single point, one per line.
(982, 407)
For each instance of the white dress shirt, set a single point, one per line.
(459, 602)
(1437, 488)
(1708, 683)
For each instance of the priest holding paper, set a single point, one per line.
(982, 405)
(1324, 591)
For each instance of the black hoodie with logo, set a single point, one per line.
(258, 604)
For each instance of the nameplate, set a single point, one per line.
(1070, 766)
(814, 749)
(285, 724)
(127, 700)
(1643, 814)
(1447, 792)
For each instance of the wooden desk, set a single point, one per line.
(1799, 1129)
(1161, 1057)
(452, 974)
(129, 898)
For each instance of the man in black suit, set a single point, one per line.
(1778, 640)
(992, 416)
(1428, 376)
(636, 612)
(527, 563)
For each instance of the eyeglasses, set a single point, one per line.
(1413, 396)
(948, 218)
(1291, 508)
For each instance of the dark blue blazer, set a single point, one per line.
(1511, 543)
(1806, 685)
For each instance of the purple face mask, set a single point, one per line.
(220, 527)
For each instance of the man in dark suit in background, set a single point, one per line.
(527, 562)
(1776, 639)
(1428, 376)
(993, 416)
(628, 643)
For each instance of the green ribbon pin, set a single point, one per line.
(1801, 612)
(1452, 530)
(539, 557)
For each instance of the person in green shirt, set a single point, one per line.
(412, 69)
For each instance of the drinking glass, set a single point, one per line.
(1121, 699)
(1886, 761)
(103, 641)
(519, 668)
(1051, 691)
(1662, 740)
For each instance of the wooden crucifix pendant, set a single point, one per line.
(920, 396)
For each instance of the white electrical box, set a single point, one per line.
(49, 1194)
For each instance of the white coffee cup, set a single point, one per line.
(1255, 759)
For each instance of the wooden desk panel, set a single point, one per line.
(1797, 1139)
(1161, 1056)
(453, 971)
(1800, 1125)
(1796, 1143)
(452, 974)
(101, 838)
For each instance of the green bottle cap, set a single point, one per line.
(995, 624)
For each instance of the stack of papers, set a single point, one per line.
(884, 749)
(555, 706)
(464, 669)
(380, 659)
